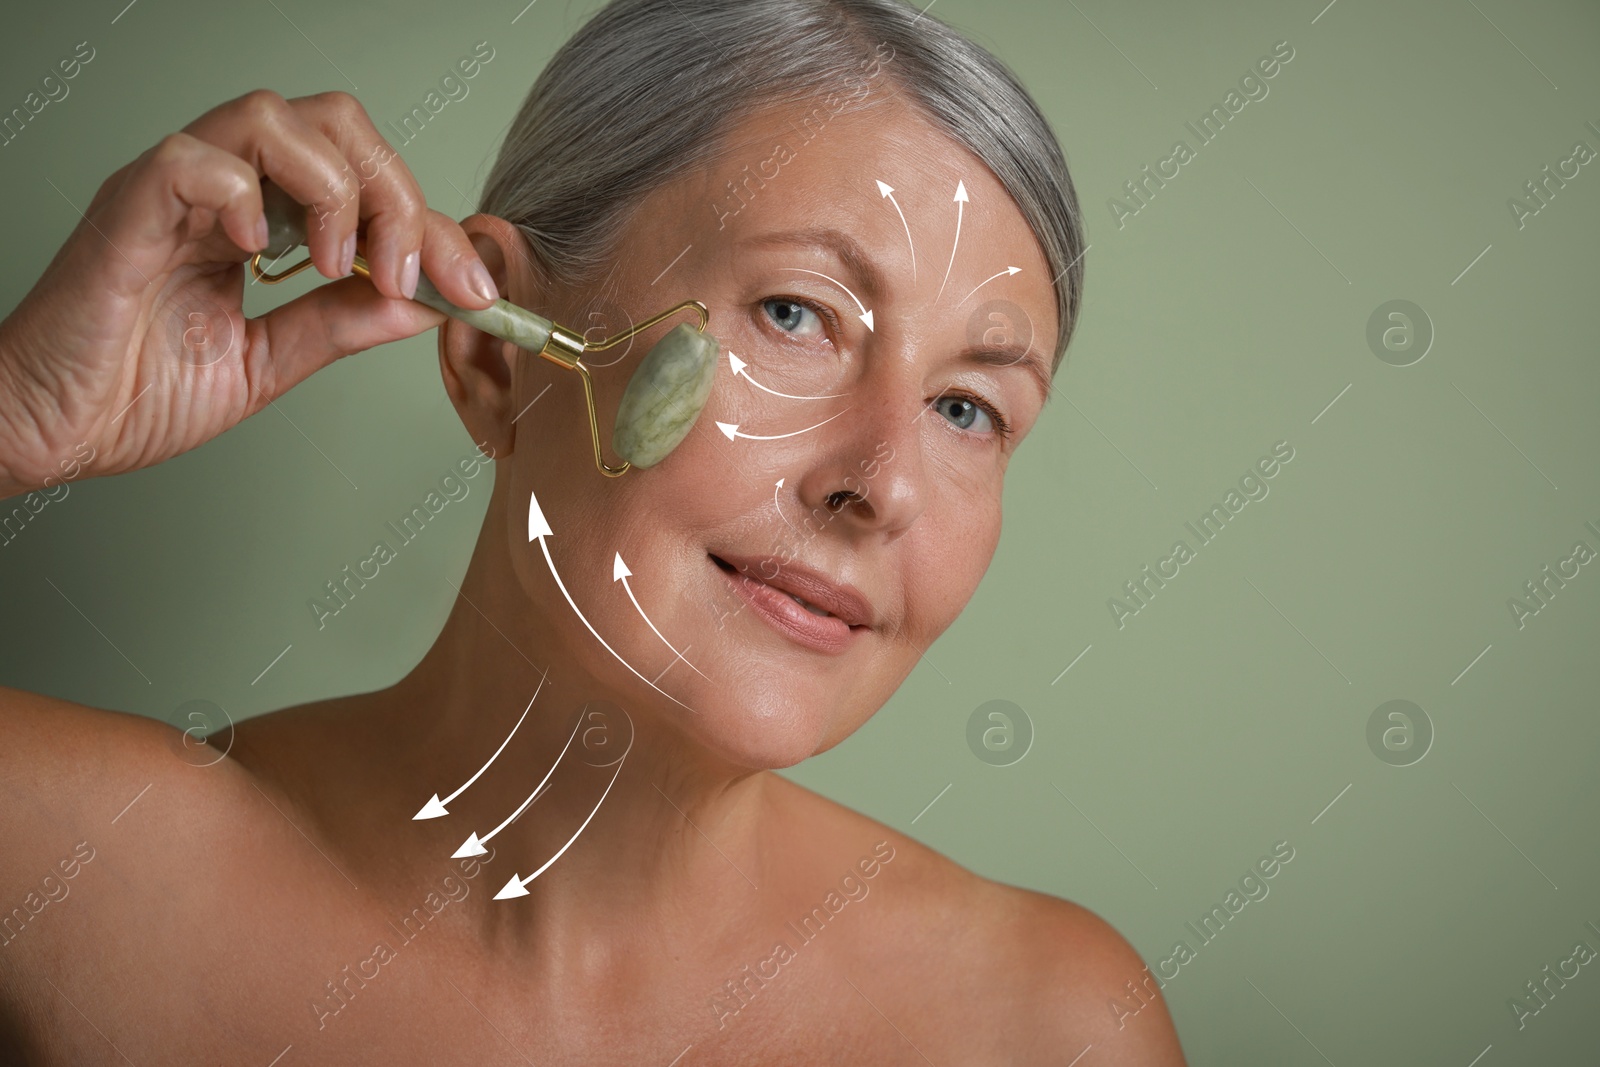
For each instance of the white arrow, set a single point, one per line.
(473, 846)
(518, 887)
(620, 573)
(739, 366)
(539, 529)
(436, 807)
(888, 194)
(732, 430)
(961, 204)
(775, 504)
(986, 281)
(866, 316)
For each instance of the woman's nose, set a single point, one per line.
(870, 474)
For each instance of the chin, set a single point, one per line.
(758, 726)
(785, 672)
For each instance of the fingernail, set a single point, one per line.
(262, 236)
(408, 275)
(479, 281)
(347, 255)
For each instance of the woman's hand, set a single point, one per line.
(134, 342)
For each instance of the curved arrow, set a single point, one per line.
(539, 529)
(866, 316)
(518, 887)
(775, 504)
(732, 430)
(739, 366)
(620, 572)
(961, 203)
(986, 281)
(887, 193)
(473, 845)
(436, 807)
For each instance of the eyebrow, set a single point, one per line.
(870, 278)
(873, 285)
(1012, 356)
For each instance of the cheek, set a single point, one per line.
(955, 541)
(553, 462)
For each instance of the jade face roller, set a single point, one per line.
(662, 401)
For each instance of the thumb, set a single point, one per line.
(289, 344)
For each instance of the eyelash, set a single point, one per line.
(822, 311)
(1002, 426)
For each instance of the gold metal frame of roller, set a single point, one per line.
(565, 347)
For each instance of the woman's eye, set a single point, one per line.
(964, 413)
(793, 318)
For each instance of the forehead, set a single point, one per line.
(810, 165)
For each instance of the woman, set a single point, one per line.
(283, 901)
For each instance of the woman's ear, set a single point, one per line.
(481, 371)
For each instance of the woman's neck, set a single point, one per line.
(679, 831)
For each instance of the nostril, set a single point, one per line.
(838, 499)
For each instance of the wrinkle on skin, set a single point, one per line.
(916, 546)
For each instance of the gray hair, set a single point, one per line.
(640, 94)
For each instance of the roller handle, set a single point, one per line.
(286, 230)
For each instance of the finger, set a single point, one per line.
(262, 129)
(293, 342)
(403, 235)
(453, 264)
(389, 200)
(172, 194)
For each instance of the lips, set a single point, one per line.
(804, 623)
(842, 601)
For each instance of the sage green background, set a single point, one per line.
(1226, 316)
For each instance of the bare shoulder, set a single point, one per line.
(1080, 982)
(1036, 978)
(60, 756)
(75, 779)
(82, 755)
(115, 830)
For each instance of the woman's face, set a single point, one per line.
(888, 486)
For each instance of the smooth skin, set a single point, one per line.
(239, 907)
